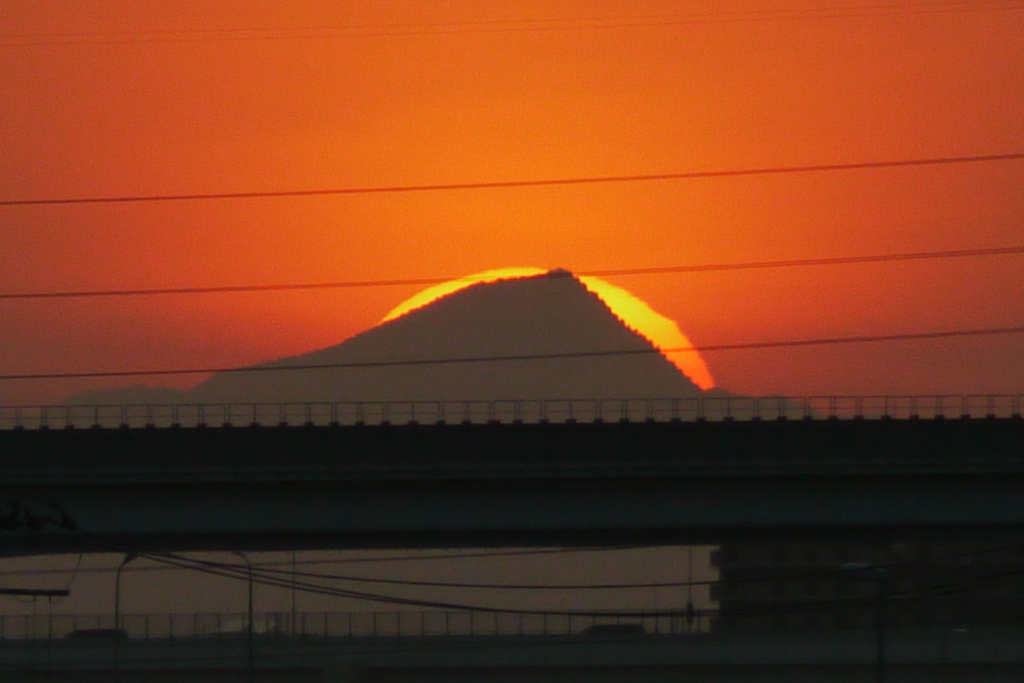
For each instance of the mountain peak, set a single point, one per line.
(475, 344)
(559, 272)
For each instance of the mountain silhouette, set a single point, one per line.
(549, 314)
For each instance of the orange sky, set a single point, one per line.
(126, 98)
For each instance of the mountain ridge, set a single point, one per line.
(548, 314)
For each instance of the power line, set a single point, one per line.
(471, 555)
(797, 263)
(351, 284)
(495, 25)
(969, 554)
(241, 572)
(664, 270)
(265, 569)
(282, 573)
(865, 339)
(244, 573)
(623, 586)
(821, 341)
(506, 184)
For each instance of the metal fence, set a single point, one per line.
(342, 625)
(511, 411)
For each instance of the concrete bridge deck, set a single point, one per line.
(593, 483)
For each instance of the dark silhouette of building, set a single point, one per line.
(815, 586)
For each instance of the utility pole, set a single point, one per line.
(880, 577)
(250, 666)
(128, 557)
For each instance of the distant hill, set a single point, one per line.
(547, 314)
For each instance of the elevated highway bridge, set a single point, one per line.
(517, 473)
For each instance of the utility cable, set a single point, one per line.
(268, 576)
(74, 574)
(820, 573)
(507, 184)
(407, 282)
(522, 552)
(266, 569)
(260, 576)
(496, 25)
(821, 341)
(631, 586)
(242, 572)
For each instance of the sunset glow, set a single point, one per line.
(360, 122)
(634, 312)
(793, 210)
(445, 288)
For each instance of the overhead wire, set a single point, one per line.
(266, 568)
(242, 572)
(511, 184)
(937, 590)
(412, 362)
(630, 585)
(74, 575)
(818, 573)
(305, 647)
(488, 586)
(570, 23)
(1015, 250)
(277, 578)
(519, 552)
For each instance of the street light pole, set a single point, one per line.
(249, 631)
(294, 606)
(880, 577)
(880, 664)
(128, 557)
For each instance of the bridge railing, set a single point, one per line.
(341, 625)
(510, 411)
(462, 624)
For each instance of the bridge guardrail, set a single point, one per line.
(510, 411)
(340, 625)
(99, 628)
